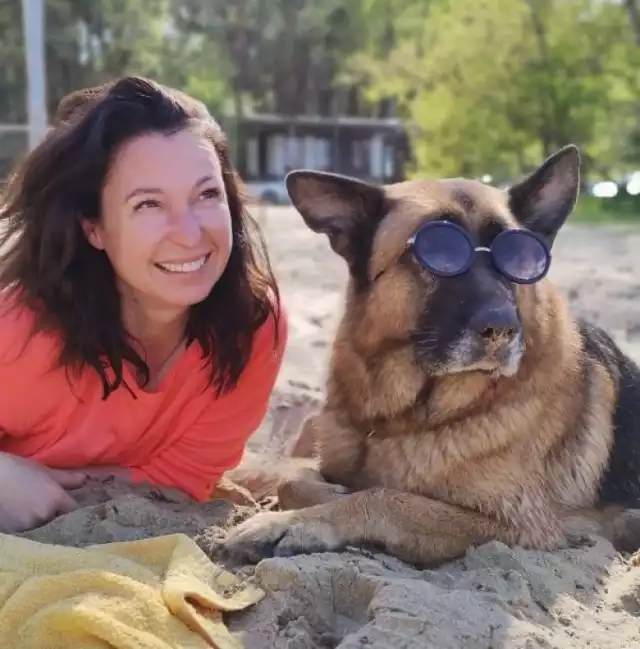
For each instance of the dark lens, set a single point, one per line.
(443, 248)
(520, 256)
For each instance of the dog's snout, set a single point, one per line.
(494, 323)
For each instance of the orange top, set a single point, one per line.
(180, 436)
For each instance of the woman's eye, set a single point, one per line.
(210, 193)
(146, 204)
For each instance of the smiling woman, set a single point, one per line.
(141, 330)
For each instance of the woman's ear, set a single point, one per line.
(93, 232)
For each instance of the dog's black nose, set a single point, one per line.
(493, 323)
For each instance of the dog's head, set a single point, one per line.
(472, 321)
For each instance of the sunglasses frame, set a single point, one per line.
(411, 244)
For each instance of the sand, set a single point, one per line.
(494, 597)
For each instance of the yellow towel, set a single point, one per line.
(160, 593)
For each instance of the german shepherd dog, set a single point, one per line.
(464, 403)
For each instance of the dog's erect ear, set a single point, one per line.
(543, 200)
(346, 209)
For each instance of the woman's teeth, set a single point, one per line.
(189, 267)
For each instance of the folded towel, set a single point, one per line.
(159, 593)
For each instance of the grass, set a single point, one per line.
(623, 209)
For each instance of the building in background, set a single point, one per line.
(269, 145)
(334, 129)
(14, 143)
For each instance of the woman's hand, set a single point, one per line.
(107, 471)
(226, 489)
(32, 494)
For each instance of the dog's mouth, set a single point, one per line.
(495, 358)
(468, 354)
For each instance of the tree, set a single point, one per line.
(492, 86)
(90, 42)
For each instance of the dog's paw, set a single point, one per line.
(278, 534)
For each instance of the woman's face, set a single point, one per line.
(165, 223)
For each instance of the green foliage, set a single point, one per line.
(491, 86)
(89, 42)
(12, 64)
(622, 209)
(484, 86)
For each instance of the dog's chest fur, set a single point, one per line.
(437, 465)
(516, 457)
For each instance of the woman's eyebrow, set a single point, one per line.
(203, 180)
(157, 190)
(142, 190)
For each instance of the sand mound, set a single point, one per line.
(496, 596)
(111, 510)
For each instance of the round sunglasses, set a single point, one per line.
(446, 249)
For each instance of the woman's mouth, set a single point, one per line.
(183, 267)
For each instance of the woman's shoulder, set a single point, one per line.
(267, 350)
(19, 338)
(273, 332)
(16, 318)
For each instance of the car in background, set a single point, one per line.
(267, 192)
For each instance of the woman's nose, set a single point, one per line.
(186, 229)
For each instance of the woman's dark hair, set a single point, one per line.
(48, 265)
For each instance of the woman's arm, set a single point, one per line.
(107, 471)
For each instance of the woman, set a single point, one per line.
(141, 330)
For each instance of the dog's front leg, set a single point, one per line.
(411, 527)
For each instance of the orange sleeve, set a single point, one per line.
(215, 444)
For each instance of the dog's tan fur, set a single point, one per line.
(436, 462)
